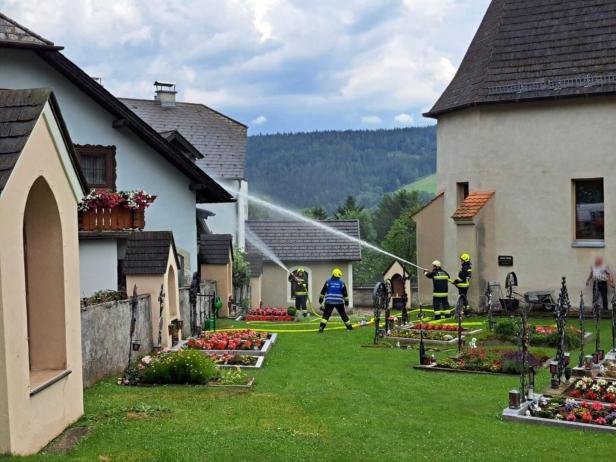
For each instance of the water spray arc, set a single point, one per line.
(323, 226)
(264, 249)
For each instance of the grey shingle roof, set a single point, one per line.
(19, 112)
(536, 49)
(14, 33)
(147, 253)
(214, 248)
(255, 262)
(298, 241)
(220, 139)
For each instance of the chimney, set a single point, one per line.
(165, 93)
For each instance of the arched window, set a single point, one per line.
(308, 272)
(172, 293)
(44, 278)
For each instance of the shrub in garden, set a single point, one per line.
(506, 329)
(291, 311)
(181, 367)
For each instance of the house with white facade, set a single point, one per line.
(118, 151)
(221, 145)
(525, 167)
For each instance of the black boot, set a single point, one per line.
(349, 327)
(321, 328)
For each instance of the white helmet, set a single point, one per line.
(436, 263)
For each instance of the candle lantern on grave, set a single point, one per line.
(561, 310)
(491, 322)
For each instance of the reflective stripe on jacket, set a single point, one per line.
(464, 276)
(334, 292)
(440, 282)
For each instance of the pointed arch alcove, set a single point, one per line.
(44, 282)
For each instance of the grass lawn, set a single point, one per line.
(425, 184)
(325, 398)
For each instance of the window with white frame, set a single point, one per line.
(589, 209)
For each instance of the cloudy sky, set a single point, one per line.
(276, 65)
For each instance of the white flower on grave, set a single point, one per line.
(595, 388)
(527, 413)
(611, 389)
(558, 417)
(473, 343)
(602, 382)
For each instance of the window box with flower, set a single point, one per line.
(104, 210)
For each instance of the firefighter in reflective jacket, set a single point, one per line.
(334, 294)
(440, 290)
(463, 280)
(299, 289)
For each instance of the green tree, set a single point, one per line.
(316, 213)
(401, 237)
(391, 207)
(349, 205)
(241, 275)
(366, 227)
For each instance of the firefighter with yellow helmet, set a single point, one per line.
(299, 289)
(463, 281)
(334, 294)
(440, 290)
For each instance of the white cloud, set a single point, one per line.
(371, 120)
(323, 62)
(259, 120)
(404, 119)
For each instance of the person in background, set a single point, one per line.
(299, 289)
(601, 277)
(440, 290)
(335, 295)
(463, 281)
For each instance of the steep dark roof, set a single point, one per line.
(14, 34)
(214, 248)
(298, 241)
(207, 190)
(173, 136)
(147, 253)
(255, 262)
(19, 112)
(220, 139)
(536, 49)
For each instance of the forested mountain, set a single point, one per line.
(322, 168)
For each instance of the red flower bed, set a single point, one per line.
(243, 340)
(268, 314)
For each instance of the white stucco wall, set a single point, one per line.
(529, 153)
(275, 286)
(98, 265)
(138, 165)
(230, 218)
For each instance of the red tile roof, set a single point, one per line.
(471, 206)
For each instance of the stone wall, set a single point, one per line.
(105, 334)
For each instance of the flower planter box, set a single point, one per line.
(115, 219)
(519, 415)
(265, 348)
(406, 341)
(246, 386)
(257, 365)
(435, 368)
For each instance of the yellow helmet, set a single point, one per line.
(300, 270)
(436, 263)
(337, 273)
(465, 257)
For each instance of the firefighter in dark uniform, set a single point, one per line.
(463, 280)
(299, 289)
(440, 290)
(334, 294)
